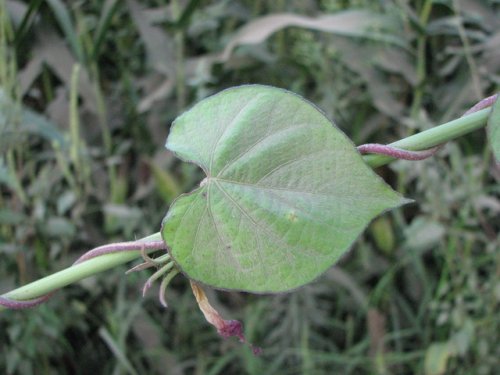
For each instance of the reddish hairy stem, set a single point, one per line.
(394, 152)
(118, 247)
(485, 103)
(25, 304)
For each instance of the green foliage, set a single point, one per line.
(286, 193)
(127, 96)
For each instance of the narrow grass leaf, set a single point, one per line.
(28, 17)
(28, 122)
(120, 356)
(66, 23)
(52, 50)
(494, 129)
(108, 11)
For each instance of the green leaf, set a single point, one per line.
(286, 192)
(382, 232)
(437, 356)
(494, 129)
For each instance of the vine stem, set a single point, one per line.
(79, 271)
(97, 263)
(435, 136)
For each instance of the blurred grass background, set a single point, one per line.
(88, 90)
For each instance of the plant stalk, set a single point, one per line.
(434, 136)
(76, 272)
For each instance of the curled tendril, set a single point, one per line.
(166, 269)
(155, 276)
(163, 286)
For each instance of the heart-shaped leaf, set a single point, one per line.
(286, 192)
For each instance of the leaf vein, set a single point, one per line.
(221, 240)
(263, 229)
(293, 161)
(268, 135)
(233, 120)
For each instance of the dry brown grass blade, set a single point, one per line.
(376, 325)
(397, 61)
(491, 56)
(29, 74)
(361, 60)
(479, 9)
(17, 11)
(53, 51)
(160, 52)
(352, 23)
(159, 45)
(159, 93)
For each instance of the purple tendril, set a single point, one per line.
(397, 153)
(485, 103)
(24, 304)
(119, 247)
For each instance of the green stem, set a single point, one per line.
(76, 273)
(424, 140)
(434, 136)
(421, 59)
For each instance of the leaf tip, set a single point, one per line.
(405, 201)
